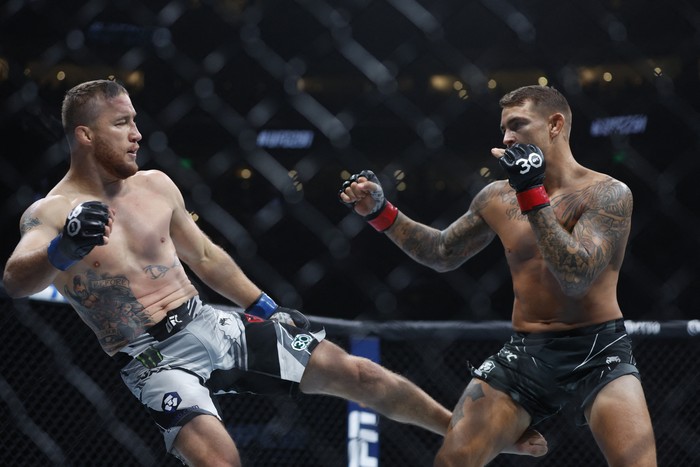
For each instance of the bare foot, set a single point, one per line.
(531, 443)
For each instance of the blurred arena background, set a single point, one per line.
(260, 109)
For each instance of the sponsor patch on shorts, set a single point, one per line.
(301, 342)
(485, 368)
(171, 401)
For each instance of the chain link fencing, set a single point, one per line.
(63, 401)
(259, 110)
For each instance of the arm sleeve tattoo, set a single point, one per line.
(576, 258)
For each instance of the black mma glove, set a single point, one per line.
(524, 164)
(83, 230)
(292, 317)
(266, 308)
(384, 214)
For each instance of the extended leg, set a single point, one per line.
(334, 372)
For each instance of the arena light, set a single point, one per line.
(620, 125)
(124, 34)
(285, 139)
(443, 83)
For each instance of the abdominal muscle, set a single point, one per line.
(120, 307)
(541, 306)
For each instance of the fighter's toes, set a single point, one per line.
(531, 443)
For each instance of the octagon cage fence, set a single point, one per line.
(260, 109)
(64, 404)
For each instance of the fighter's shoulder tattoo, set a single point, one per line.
(28, 223)
(594, 221)
(607, 198)
(502, 193)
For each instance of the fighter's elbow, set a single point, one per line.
(12, 288)
(16, 285)
(446, 261)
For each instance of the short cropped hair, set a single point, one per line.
(79, 102)
(546, 98)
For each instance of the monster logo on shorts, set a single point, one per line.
(301, 342)
(171, 401)
(485, 368)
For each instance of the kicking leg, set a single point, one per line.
(332, 371)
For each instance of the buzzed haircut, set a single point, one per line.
(79, 102)
(546, 98)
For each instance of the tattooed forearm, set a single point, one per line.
(442, 250)
(582, 238)
(447, 249)
(419, 241)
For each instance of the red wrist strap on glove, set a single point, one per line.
(532, 199)
(385, 218)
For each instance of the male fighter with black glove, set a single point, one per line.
(383, 215)
(84, 229)
(564, 263)
(168, 342)
(524, 164)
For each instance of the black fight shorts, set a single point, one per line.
(544, 372)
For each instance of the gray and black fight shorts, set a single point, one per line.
(198, 351)
(544, 372)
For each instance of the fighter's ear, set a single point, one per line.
(82, 134)
(556, 124)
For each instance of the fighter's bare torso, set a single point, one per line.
(540, 302)
(126, 286)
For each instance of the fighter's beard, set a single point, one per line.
(114, 162)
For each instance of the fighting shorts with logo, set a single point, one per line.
(544, 372)
(199, 350)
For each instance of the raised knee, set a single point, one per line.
(341, 374)
(377, 382)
